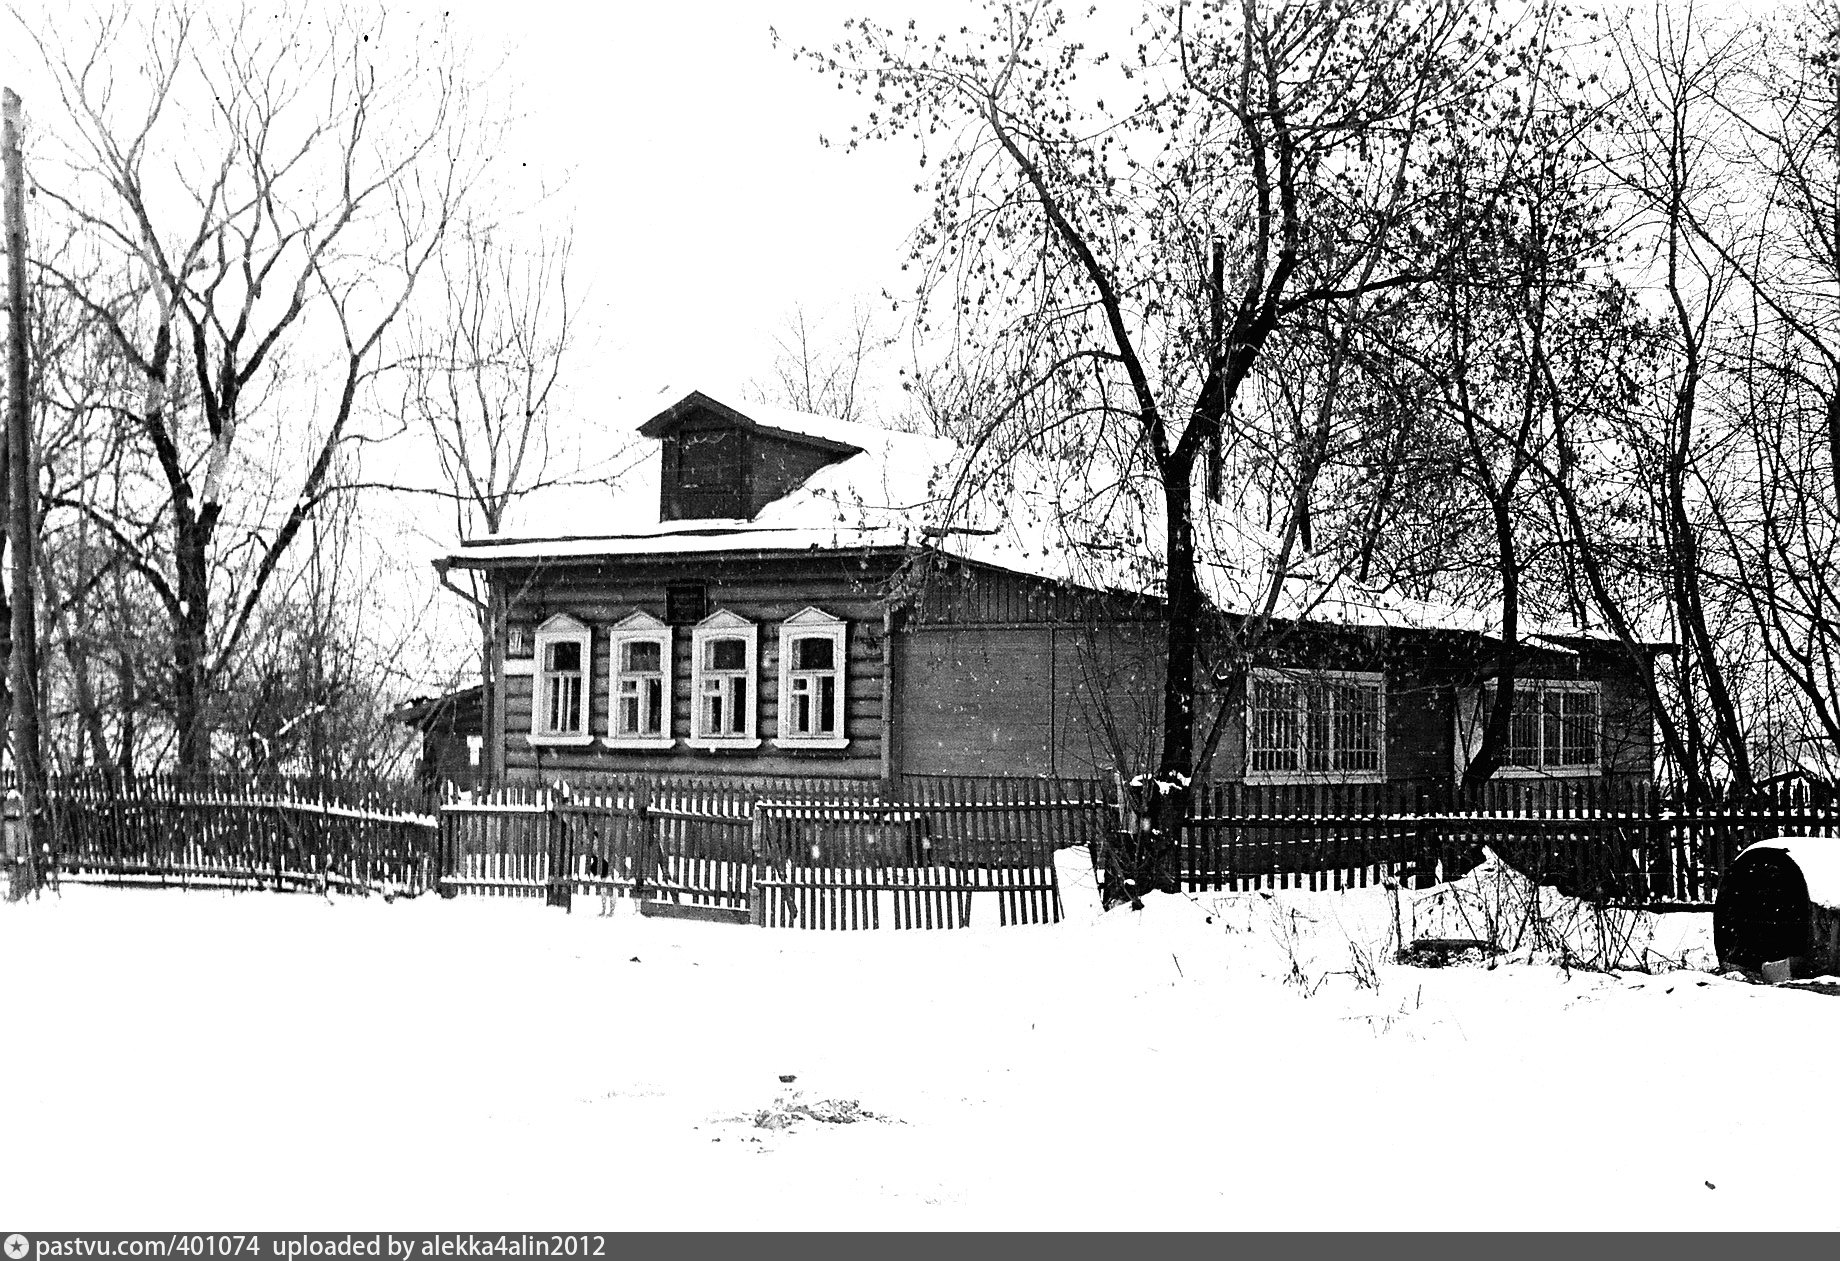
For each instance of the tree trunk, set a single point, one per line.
(1493, 753)
(190, 685)
(127, 691)
(1833, 439)
(82, 681)
(1182, 642)
(22, 530)
(1147, 857)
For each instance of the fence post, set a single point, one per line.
(445, 849)
(642, 852)
(757, 892)
(1656, 856)
(276, 848)
(560, 890)
(1423, 844)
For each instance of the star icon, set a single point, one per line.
(17, 1246)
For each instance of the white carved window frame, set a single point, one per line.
(1367, 681)
(723, 624)
(561, 630)
(812, 623)
(638, 628)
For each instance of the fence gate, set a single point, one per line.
(677, 852)
(685, 853)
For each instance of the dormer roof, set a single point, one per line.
(817, 431)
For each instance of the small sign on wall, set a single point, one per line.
(686, 603)
(517, 641)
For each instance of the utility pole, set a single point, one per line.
(22, 495)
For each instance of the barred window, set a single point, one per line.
(1316, 724)
(1556, 725)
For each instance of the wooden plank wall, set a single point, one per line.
(766, 592)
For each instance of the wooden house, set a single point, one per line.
(761, 594)
(453, 736)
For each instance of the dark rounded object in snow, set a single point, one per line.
(788, 1078)
(1763, 910)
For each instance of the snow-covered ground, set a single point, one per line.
(258, 1061)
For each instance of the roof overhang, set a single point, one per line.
(697, 402)
(427, 711)
(532, 553)
(1600, 643)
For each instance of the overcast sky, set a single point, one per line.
(705, 208)
(687, 149)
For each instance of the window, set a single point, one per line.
(811, 695)
(639, 687)
(1315, 725)
(710, 468)
(723, 700)
(1554, 727)
(559, 701)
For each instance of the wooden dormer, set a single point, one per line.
(719, 463)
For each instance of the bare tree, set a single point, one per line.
(1527, 341)
(485, 368)
(1069, 256)
(821, 372)
(484, 378)
(262, 193)
(311, 696)
(1727, 147)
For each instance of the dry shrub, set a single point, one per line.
(1521, 921)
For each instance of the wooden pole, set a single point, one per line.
(22, 493)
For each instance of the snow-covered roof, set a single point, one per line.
(756, 416)
(876, 497)
(1063, 530)
(1819, 860)
(897, 491)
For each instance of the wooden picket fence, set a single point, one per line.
(218, 831)
(932, 859)
(828, 859)
(939, 853)
(1626, 842)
